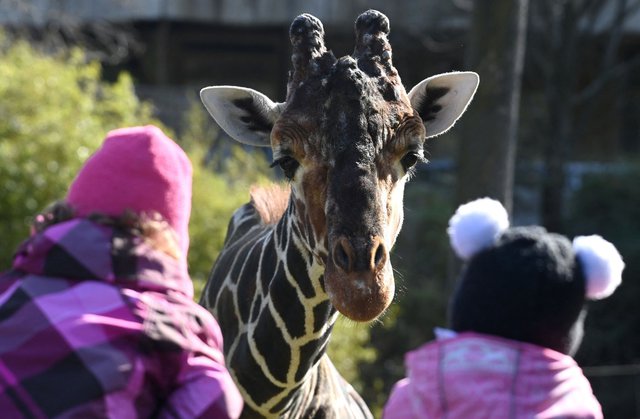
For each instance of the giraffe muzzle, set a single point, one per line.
(359, 278)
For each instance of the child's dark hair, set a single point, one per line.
(151, 227)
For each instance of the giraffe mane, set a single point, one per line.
(270, 201)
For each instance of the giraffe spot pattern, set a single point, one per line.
(268, 343)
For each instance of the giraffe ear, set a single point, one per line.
(441, 99)
(245, 114)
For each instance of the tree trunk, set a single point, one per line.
(560, 89)
(486, 155)
(556, 154)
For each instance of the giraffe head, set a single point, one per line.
(347, 137)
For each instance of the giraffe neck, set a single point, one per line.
(267, 292)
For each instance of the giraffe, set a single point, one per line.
(347, 138)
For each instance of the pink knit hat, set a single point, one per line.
(138, 169)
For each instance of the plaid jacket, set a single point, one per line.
(94, 323)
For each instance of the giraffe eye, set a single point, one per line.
(288, 164)
(409, 160)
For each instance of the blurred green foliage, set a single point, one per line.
(350, 348)
(54, 111)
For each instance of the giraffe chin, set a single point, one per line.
(360, 296)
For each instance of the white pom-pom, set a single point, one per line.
(476, 225)
(601, 263)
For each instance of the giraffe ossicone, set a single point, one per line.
(347, 137)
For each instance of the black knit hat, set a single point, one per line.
(524, 283)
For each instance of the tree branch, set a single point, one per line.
(464, 5)
(599, 83)
(615, 34)
(634, 7)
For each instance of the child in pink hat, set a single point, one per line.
(516, 319)
(97, 316)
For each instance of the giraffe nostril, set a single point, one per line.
(342, 255)
(380, 256)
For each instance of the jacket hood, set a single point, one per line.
(80, 249)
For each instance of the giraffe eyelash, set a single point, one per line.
(288, 164)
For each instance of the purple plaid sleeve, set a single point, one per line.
(74, 336)
(89, 337)
(203, 377)
(80, 339)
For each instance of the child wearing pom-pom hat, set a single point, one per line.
(97, 318)
(516, 318)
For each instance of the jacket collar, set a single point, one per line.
(80, 249)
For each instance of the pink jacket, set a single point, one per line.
(479, 376)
